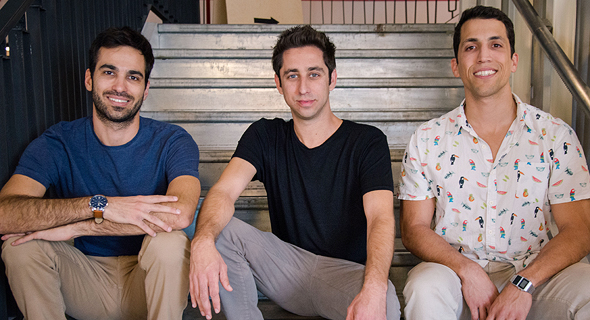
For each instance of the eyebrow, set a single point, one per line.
(308, 69)
(112, 67)
(477, 40)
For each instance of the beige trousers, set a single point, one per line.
(433, 291)
(51, 279)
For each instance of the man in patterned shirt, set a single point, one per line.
(501, 178)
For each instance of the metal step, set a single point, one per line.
(262, 68)
(267, 54)
(343, 36)
(201, 83)
(269, 100)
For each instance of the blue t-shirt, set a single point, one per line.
(70, 158)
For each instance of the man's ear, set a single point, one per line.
(88, 80)
(514, 62)
(145, 92)
(455, 68)
(333, 77)
(278, 84)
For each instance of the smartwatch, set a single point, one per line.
(522, 283)
(98, 204)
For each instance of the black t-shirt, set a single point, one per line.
(315, 195)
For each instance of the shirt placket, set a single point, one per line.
(490, 203)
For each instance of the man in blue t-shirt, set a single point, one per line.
(330, 195)
(124, 186)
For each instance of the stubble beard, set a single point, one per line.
(102, 109)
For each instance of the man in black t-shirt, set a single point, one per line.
(330, 193)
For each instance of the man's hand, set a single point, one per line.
(207, 269)
(512, 303)
(134, 210)
(62, 233)
(369, 304)
(478, 291)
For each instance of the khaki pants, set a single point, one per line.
(51, 279)
(433, 291)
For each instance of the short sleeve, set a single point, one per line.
(375, 169)
(569, 180)
(413, 183)
(251, 146)
(40, 160)
(183, 156)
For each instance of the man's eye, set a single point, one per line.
(314, 75)
(292, 76)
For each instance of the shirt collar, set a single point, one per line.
(522, 115)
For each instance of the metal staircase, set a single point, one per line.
(214, 80)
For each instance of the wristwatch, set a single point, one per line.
(98, 204)
(522, 283)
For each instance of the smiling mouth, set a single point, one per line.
(484, 73)
(118, 100)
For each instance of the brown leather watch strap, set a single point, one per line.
(98, 216)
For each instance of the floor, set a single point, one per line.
(270, 311)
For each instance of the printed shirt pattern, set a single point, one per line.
(495, 210)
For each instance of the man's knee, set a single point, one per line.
(428, 279)
(233, 235)
(21, 256)
(169, 248)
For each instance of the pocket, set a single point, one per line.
(532, 182)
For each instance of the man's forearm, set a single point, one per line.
(427, 245)
(569, 246)
(215, 214)
(25, 214)
(108, 228)
(380, 240)
(565, 249)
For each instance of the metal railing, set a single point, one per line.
(379, 12)
(564, 68)
(363, 11)
(41, 81)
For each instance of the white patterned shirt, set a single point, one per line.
(495, 210)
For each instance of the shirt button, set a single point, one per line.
(490, 232)
(491, 202)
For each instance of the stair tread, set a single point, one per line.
(196, 53)
(250, 28)
(442, 82)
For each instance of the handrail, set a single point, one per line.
(568, 74)
(11, 13)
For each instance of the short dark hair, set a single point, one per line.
(117, 37)
(482, 12)
(303, 36)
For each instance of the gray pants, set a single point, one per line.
(297, 280)
(433, 291)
